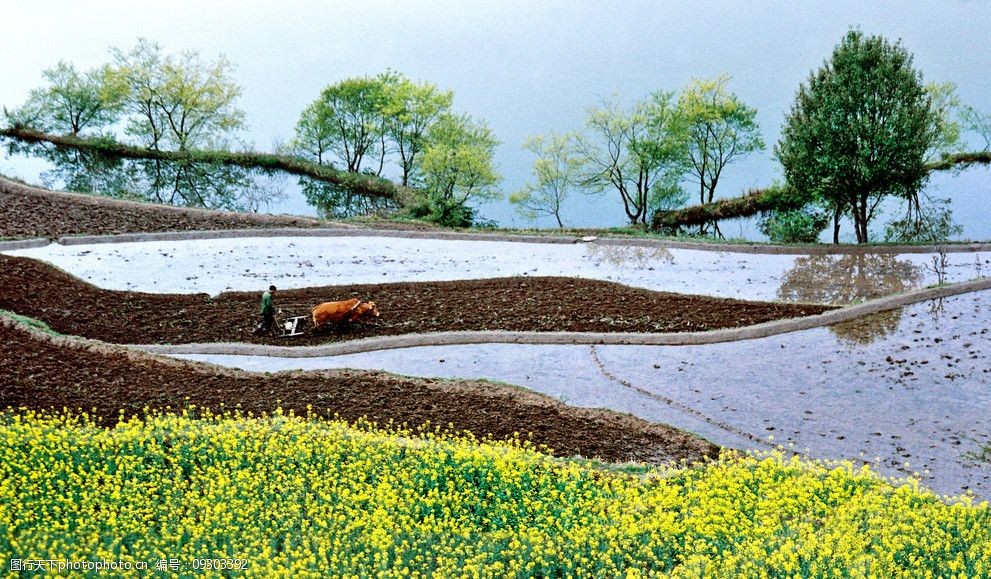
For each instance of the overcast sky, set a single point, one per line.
(525, 67)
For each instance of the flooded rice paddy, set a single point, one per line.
(216, 265)
(908, 391)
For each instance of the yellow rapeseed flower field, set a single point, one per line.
(286, 496)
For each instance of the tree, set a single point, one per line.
(457, 168)
(72, 101)
(859, 131)
(947, 112)
(178, 102)
(410, 109)
(802, 225)
(721, 129)
(631, 150)
(313, 135)
(978, 122)
(556, 172)
(346, 121)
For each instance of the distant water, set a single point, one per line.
(526, 75)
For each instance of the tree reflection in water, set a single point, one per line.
(636, 257)
(848, 279)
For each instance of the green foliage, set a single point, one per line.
(72, 101)
(795, 226)
(346, 121)
(360, 123)
(179, 101)
(29, 321)
(556, 172)
(978, 122)
(946, 108)
(313, 135)
(666, 196)
(166, 103)
(630, 150)
(931, 222)
(361, 120)
(721, 129)
(457, 168)
(860, 129)
(410, 109)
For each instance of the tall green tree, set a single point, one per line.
(410, 109)
(458, 168)
(182, 102)
(346, 122)
(179, 102)
(859, 130)
(556, 174)
(72, 101)
(632, 149)
(721, 130)
(314, 135)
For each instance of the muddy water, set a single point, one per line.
(213, 266)
(908, 392)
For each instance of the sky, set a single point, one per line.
(524, 67)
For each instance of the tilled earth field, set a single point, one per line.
(72, 306)
(43, 372)
(31, 212)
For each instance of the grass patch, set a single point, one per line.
(29, 321)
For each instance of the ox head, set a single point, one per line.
(368, 310)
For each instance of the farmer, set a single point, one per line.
(267, 312)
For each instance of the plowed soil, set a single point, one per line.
(71, 306)
(27, 212)
(44, 372)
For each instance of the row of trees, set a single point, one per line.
(145, 97)
(644, 152)
(163, 101)
(372, 124)
(180, 102)
(861, 130)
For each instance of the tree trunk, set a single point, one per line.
(860, 217)
(836, 223)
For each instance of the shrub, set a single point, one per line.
(795, 226)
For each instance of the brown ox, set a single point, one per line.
(350, 311)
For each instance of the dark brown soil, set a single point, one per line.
(71, 306)
(27, 212)
(43, 373)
